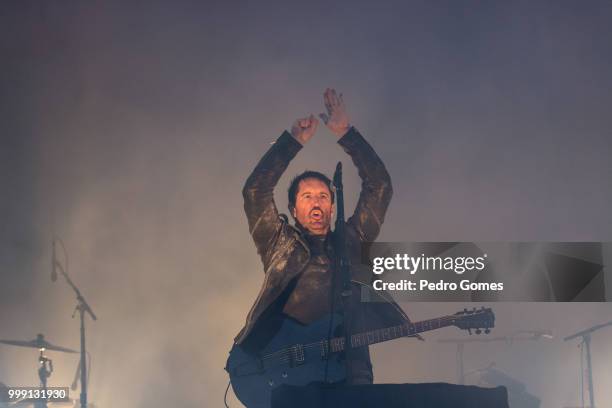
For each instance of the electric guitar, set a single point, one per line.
(298, 354)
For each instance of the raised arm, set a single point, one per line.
(258, 191)
(376, 190)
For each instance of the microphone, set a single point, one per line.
(544, 334)
(53, 264)
(539, 334)
(337, 180)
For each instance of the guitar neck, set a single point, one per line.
(391, 333)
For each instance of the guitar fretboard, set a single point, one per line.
(465, 320)
(391, 333)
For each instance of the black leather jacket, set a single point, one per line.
(282, 247)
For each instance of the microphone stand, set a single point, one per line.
(344, 267)
(82, 307)
(586, 340)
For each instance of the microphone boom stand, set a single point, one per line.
(586, 340)
(343, 263)
(82, 307)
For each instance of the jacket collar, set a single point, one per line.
(302, 236)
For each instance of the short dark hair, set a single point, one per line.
(295, 183)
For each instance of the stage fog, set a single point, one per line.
(129, 131)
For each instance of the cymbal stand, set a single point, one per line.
(44, 372)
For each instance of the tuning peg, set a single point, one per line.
(478, 331)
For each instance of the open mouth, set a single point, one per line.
(316, 215)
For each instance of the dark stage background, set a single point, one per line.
(128, 130)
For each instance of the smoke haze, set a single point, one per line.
(128, 131)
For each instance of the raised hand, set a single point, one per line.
(303, 129)
(336, 118)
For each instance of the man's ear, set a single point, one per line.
(293, 213)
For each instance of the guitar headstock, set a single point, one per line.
(481, 320)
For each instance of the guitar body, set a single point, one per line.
(288, 362)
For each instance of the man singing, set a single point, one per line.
(299, 261)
